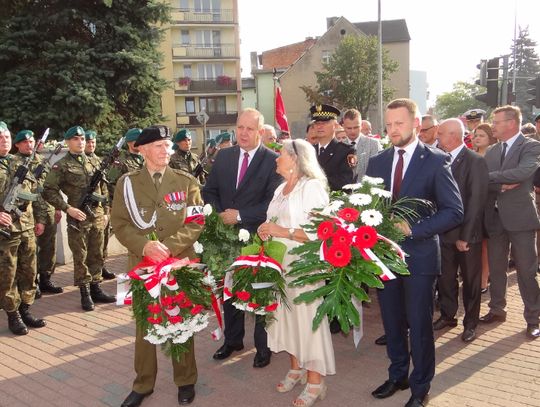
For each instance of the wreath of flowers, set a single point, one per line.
(356, 245)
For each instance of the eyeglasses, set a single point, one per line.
(424, 130)
(495, 122)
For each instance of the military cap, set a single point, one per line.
(23, 135)
(211, 142)
(474, 114)
(151, 134)
(74, 131)
(221, 138)
(537, 118)
(3, 127)
(132, 134)
(182, 135)
(323, 113)
(90, 135)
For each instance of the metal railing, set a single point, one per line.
(204, 51)
(215, 118)
(202, 16)
(226, 84)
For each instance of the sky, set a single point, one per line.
(448, 38)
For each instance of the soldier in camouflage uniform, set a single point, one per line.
(46, 231)
(71, 175)
(18, 245)
(211, 152)
(183, 158)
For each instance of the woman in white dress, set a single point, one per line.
(311, 352)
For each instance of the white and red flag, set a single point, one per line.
(281, 116)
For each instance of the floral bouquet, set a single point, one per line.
(357, 244)
(255, 280)
(169, 300)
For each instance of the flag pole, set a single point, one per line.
(274, 78)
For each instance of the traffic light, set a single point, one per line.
(491, 98)
(534, 91)
(482, 81)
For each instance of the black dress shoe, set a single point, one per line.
(225, 351)
(335, 328)
(415, 402)
(388, 388)
(490, 318)
(262, 359)
(381, 340)
(533, 331)
(186, 394)
(443, 323)
(135, 399)
(468, 335)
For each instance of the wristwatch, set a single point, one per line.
(291, 233)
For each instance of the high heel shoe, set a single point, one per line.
(308, 397)
(292, 378)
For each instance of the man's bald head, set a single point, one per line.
(450, 134)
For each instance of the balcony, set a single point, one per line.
(216, 119)
(205, 51)
(183, 16)
(222, 84)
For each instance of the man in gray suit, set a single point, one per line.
(366, 147)
(511, 216)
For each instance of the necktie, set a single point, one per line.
(157, 180)
(243, 168)
(398, 175)
(503, 154)
(321, 151)
(353, 143)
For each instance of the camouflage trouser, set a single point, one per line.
(46, 257)
(107, 233)
(18, 270)
(86, 246)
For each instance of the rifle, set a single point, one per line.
(90, 198)
(15, 192)
(199, 169)
(38, 171)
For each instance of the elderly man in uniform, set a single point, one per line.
(183, 158)
(45, 231)
(71, 175)
(147, 212)
(18, 245)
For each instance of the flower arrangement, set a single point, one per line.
(224, 80)
(184, 81)
(356, 245)
(169, 300)
(255, 280)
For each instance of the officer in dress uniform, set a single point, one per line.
(45, 231)
(473, 118)
(141, 207)
(17, 244)
(183, 158)
(71, 175)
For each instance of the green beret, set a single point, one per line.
(211, 142)
(152, 134)
(74, 131)
(90, 135)
(132, 134)
(223, 137)
(182, 135)
(23, 135)
(3, 127)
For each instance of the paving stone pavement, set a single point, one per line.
(85, 359)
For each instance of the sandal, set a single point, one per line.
(308, 396)
(292, 378)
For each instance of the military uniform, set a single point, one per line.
(126, 162)
(173, 231)
(185, 160)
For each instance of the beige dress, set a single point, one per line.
(291, 331)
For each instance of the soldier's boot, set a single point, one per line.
(47, 286)
(107, 275)
(98, 295)
(86, 299)
(37, 296)
(29, 319)
(16, 324)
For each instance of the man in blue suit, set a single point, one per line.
(240, 187)
(410, 169)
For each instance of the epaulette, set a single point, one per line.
(184, 173)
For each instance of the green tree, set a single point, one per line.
(94, 63)
(526, 65)
(458, 101)
(349, 79)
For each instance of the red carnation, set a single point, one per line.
(338, 255)
(243, 295)
(342, 237)
(167, 301)
(271, 307)
(179, 298)
(349, 214)
(365, 237)
(154, 308)
(186, 303)
(176, 319)
(253, 305)
(196, 309)
(325, 230)
(154, 321)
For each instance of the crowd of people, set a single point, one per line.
(480, 177)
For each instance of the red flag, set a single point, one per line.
(281, 116)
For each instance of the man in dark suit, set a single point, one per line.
(333, 156)
(511, 217)
(461, 247)
(410, 169)
(240, 187)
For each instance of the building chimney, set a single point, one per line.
(254, 61)
(330, 21)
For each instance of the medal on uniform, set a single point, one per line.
(175, 200)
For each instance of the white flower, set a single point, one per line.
(243, 235)
(352, 186)
(372, 180)
(198, 247)
(210, 281)
(383, 193)
(207, 209)
(371, 217)
(360, 199)
(333, 207)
